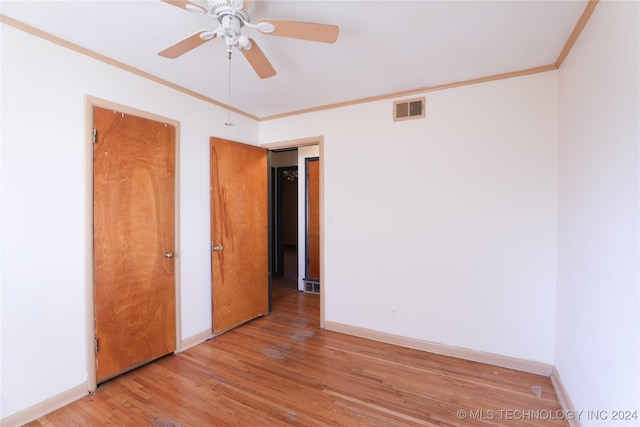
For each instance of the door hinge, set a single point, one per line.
(95, 344)
(95, 135)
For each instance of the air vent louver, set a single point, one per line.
(409, 109)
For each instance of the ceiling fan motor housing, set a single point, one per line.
(222, 8)
(231, 20)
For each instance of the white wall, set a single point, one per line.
(450, 221)
(597, 332)
(43, 207)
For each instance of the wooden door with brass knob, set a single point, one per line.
(134, 272)
(239, 233)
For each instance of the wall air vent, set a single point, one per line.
(408, 109)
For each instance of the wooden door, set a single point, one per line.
(239, 233)
(313, 219)
(134, 166)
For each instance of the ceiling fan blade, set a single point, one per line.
(304, 30)
(187, 5)
(184, 46)
(258, 61)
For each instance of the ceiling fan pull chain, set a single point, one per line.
(228, 122)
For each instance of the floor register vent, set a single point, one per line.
(312, 286)
(408, 109)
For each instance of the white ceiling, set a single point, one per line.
(384, 47)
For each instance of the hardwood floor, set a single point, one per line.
(283, 370)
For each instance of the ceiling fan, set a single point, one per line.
(232, 16)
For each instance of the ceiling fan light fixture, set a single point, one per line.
(230, 40)
(243, 42)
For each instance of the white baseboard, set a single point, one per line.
(446, 350)
(46, 406)
(563, 398)
(194, 340)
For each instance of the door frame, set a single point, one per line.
(304, 142)
(89, 285)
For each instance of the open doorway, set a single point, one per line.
(286, 230)
(284, 219)
(292, 250)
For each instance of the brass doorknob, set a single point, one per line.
(218, 248)
(169, 254)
